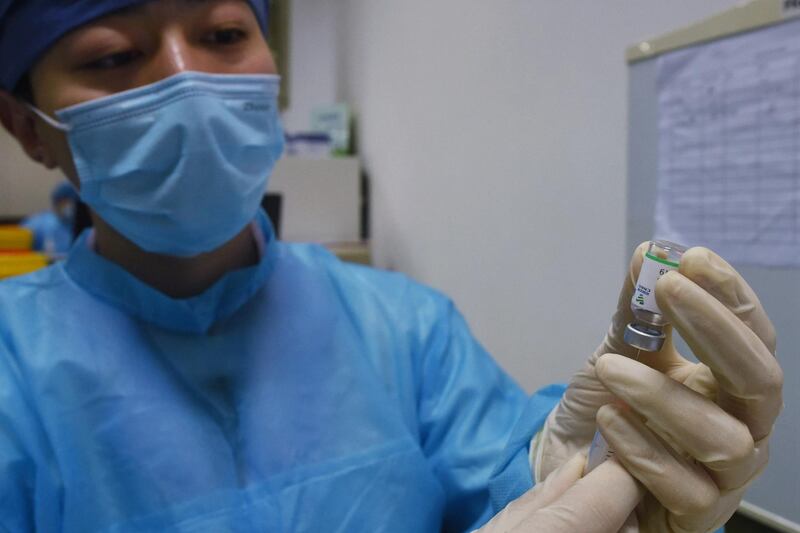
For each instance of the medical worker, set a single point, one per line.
(184, 371)
(52, 229)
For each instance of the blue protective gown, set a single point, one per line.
(50, 233)
(301, 394)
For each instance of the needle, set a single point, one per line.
(638, 354)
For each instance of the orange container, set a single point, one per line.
(15, 238)
(19, 263)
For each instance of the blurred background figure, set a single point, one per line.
(53, 229)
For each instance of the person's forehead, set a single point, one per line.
(29, 27)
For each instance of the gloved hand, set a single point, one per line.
(695, 435)
(565, 503)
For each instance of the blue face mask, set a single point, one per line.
(179, 167)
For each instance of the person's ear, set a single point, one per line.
(20, 122)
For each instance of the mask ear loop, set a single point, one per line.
(49, 120)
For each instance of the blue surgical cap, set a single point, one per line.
(29, 27)
(64, 191)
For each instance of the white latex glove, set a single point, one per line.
(565, 503)
(694, 434)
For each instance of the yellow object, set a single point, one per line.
(17, 264)
(352, 252)
(15, 238)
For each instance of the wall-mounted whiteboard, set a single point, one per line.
(775, 275)
(729, 146)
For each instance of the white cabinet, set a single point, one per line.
(321, 199)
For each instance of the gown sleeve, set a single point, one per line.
(476, 423)
(17, 469)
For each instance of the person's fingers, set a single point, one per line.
(749, 376)
(557, 483)
(681, 416)
(542, 495)
(548, 491)
(598, 503)
(631, 525)
(679, 484)
(571, 425)
(700, 379)
(718, 278)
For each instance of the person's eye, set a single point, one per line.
(112, 61)
(227, 36)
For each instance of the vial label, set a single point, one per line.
(599, 452)
(653, 268)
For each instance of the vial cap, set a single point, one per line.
(649, 340)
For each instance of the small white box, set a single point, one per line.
(321, 199)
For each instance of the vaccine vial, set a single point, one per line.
(646, 331)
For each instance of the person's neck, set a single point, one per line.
(176, 277)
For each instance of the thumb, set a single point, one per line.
(631, 525)
(601, 502)
(556, 484)
(542, 495)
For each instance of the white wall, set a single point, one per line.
(313, 73)
(495, 135)
(24, 185)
